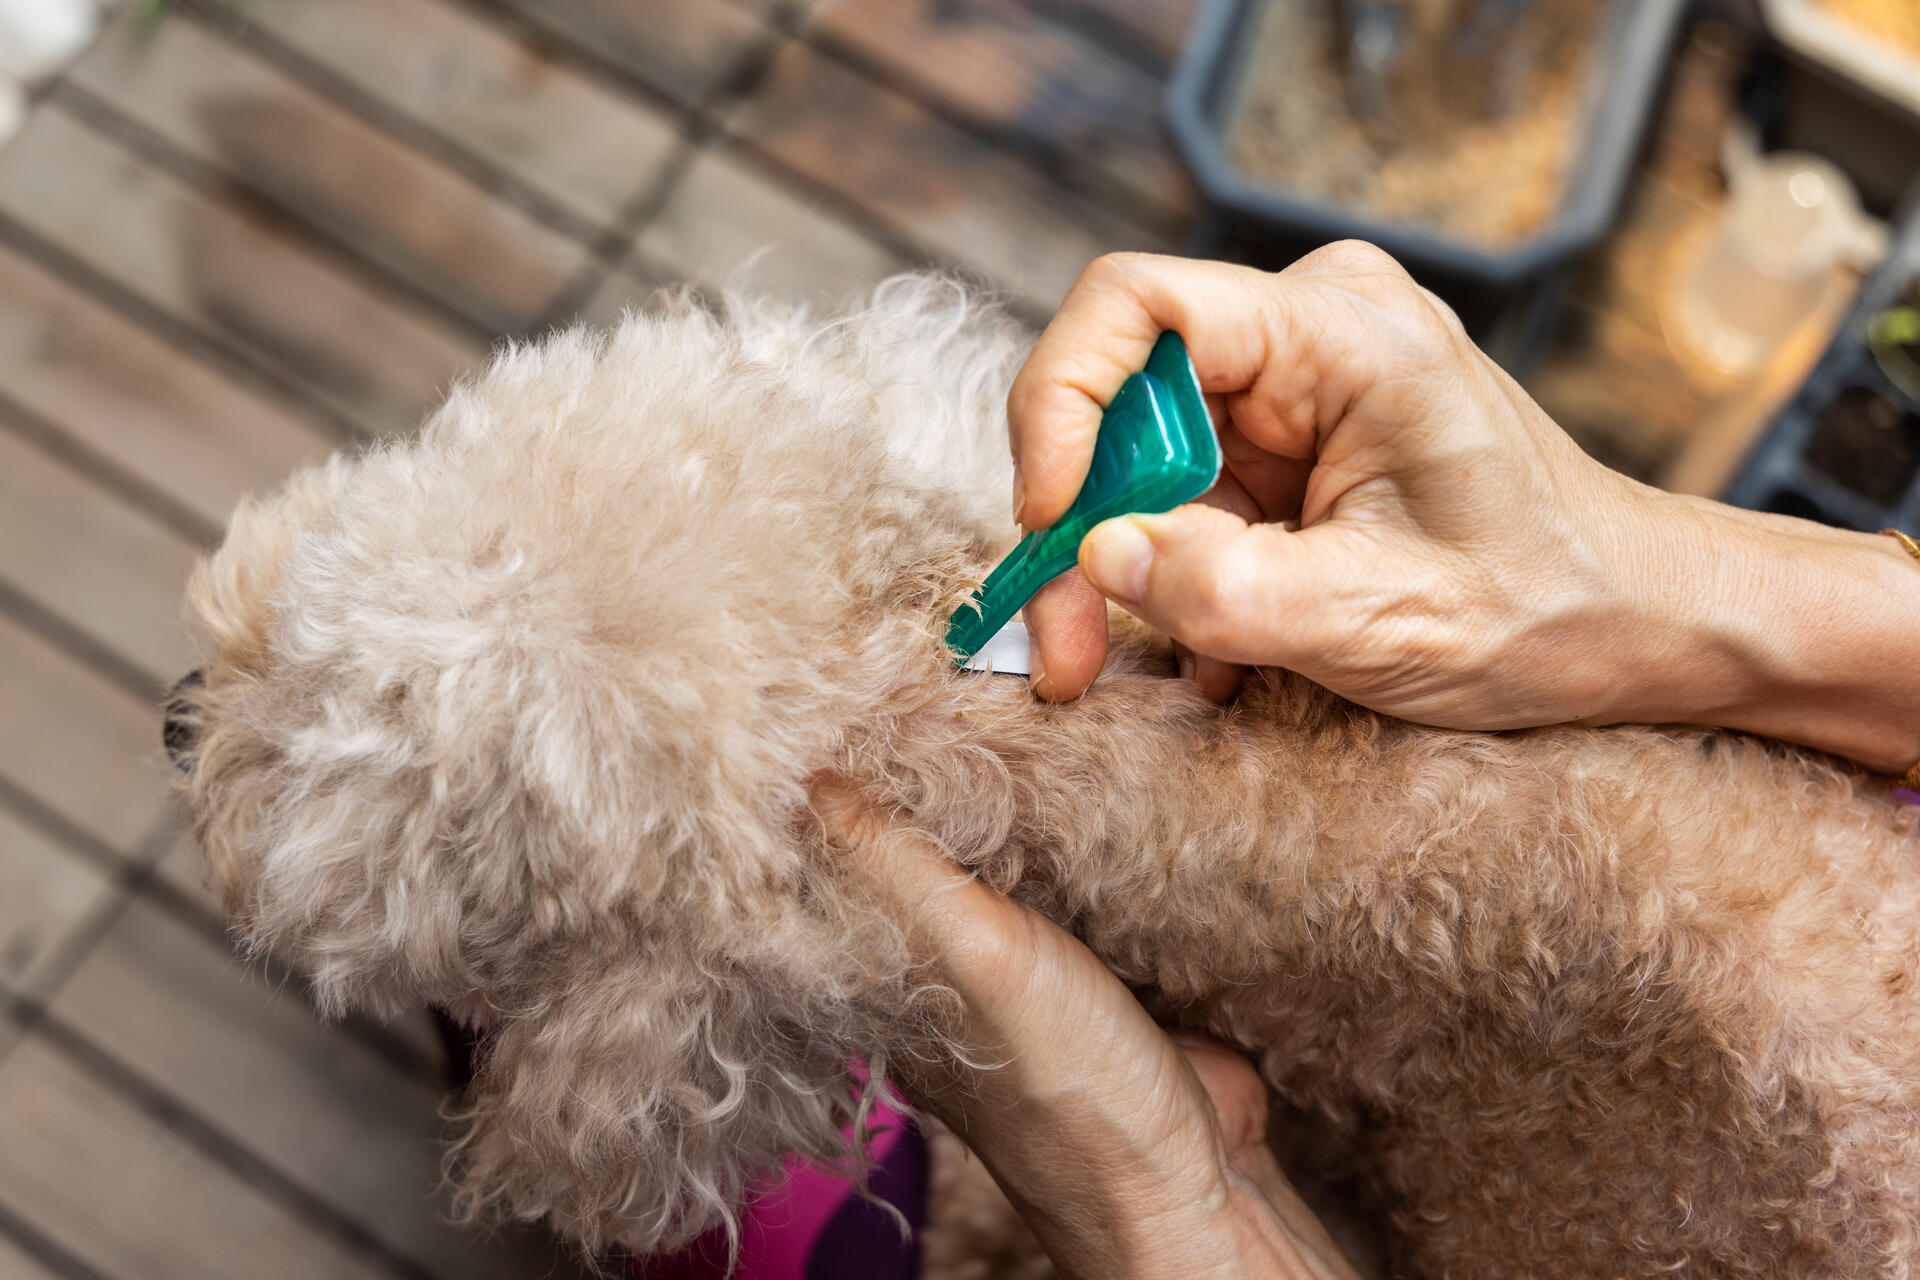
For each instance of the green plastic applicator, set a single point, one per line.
(1155, 451)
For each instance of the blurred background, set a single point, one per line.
(238, 234)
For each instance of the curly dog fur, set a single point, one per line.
(519, 718)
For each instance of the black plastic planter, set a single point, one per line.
(1846, 449)
(1259, 222)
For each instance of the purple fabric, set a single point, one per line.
(811, 1226)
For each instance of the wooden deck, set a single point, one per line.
(229, 248)
(226, 249)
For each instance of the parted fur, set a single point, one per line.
(520, 717)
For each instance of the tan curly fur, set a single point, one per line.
(519, 718)
(972, 1231)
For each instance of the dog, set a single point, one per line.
(518, 718)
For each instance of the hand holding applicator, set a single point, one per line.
(1156, 450)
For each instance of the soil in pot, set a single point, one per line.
(1895, 21)
(1470, 129)
(1869, 442)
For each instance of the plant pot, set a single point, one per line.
(1846, 449)
(1268, 223)
(1847, 95)
(1888, 73)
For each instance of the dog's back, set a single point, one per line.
(519, 719)
(1570, 1002)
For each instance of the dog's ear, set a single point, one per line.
(648, 1085)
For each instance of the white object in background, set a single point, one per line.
(13, 107)
(39, 36)
(1763, 271)
(1007, 653)
(1809, 29)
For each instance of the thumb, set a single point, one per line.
(1231, 590)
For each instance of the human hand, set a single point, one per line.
(1129, 1151)
(1397, 520)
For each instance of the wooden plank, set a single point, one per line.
(376, 358)
(134, 1200)
(16, 1264)
(631, 286)
(182, 867)
(97, 563)
(516, 106)
(940, 185)
(1087, 114)
(1156, 27)
(87, 750)
(137, 402)
(482, 256)
(44, 892)
(683, 49)
(723, 213)
(320, 1106)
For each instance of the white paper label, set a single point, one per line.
(1007, 653)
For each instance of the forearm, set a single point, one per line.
(1778, 627)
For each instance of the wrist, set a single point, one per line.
(1778, 627)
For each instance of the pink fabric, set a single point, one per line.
(781, 1224)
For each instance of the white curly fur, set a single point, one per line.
(519, 718)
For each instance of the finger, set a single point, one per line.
(1067, 624)
(1239, 1099)
(968, 928)
(1233, 1087)
(1013, 969)
(1218, 680)
(1231, 590)
(1101, 335)
(1230, 494)
(908, 869)
(1067, 621)
(1305, 341)
(1275, 487)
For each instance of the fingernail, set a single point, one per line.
(1036, 666)
(1019, 493)
(1186, 666)
(1116, 557)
